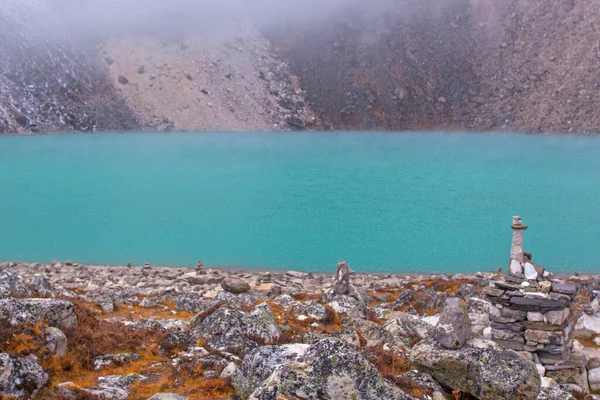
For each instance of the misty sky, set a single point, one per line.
(101, 18)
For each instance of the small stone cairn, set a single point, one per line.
(532, 312)
(200, 268)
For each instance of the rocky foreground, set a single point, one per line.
(71, 331)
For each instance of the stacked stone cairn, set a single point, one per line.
(532, 312)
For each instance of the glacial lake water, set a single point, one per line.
(384, 202)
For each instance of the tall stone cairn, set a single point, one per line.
(532, 312)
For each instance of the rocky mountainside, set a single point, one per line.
(48, 85)
(478, 65)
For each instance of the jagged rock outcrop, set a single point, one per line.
(328, 369)
(481, 368)
(20, 378)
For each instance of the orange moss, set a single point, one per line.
(164, 311)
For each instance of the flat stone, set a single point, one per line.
(565, 288)
(507, 344)
(493, 292)
(531, 304)
(512, 327)
(506, 285)
(544, 337)
(499, 334)
(541, 326)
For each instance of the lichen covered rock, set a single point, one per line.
(259, 364)
(12, 284)
(329, 369)
(481, 368)
(237, 331)
(56, 313)
(20, 378)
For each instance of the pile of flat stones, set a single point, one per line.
(532, 313)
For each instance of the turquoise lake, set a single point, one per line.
(384, 202)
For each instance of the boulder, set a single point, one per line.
(481, 368)
(454, 326)
(12, 284)
(56, 341)
(234, 285)
(329, 369)
(259, 364)
(56, 313)
(233, 329)
(20, 378)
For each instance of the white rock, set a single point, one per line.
(594, 378)
(525, 284)
(530, 271)
(515, 268)
(228, 371)
(487, 333)
(588, 325)
(597, 340)
(540, 369)
(535, 316)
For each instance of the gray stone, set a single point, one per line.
(516, 249)
(56, 341)
(167, 396)
(454, 326)
(565, 288)
(20, 377)
(234, 285)
(531, 304)
(594, 378)
(481, 369)
(56, 313)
